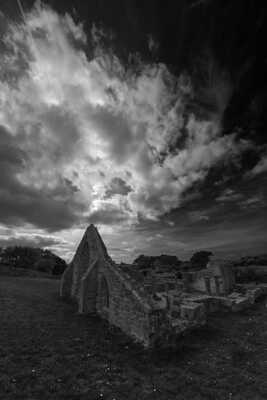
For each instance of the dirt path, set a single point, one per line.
(47, 351)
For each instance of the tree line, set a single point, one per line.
(32, 258)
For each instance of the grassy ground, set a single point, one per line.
(47, 351)
(7, 270)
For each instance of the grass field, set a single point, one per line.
(48, 351)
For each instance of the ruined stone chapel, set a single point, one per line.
(151, 306)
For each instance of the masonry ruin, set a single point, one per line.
(153, 306)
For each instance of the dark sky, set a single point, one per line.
(146, 118)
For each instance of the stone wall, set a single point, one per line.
(66, 282)
(115, 299)
(217, 279)
(88, 289)
(81, 263)
(195, 280)
(223, 270)
(208, 283)
(79, 280)
(100, 286)
(125, 309)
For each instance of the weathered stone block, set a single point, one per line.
(192, 311)
(254, 294)
(240, 304)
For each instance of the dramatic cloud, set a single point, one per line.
(196, 216)
(90, 121)
(89, 140)
(252, 202)
(260, 167)
(30, 241)
(229, 195)
(108, 215)
(117, 186)
(52, 207)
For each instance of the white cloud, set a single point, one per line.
(196, 216)
(260, 167)
(92, 122)
(252, 202)
(229, 195)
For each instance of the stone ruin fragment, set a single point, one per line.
(151, 306)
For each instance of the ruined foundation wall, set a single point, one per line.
(124, 309)
(229, 277)
(223, 270)
(198, 282)
(209, 284)
(217, 279)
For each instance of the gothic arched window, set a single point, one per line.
(104, 293)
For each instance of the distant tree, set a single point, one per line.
(166, 259)
(21, 257)
(59, 267)
(144, 261)
(200, 259)
(34, 259)
(252, 260)
(153, 261)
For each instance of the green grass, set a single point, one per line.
(48, 351)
